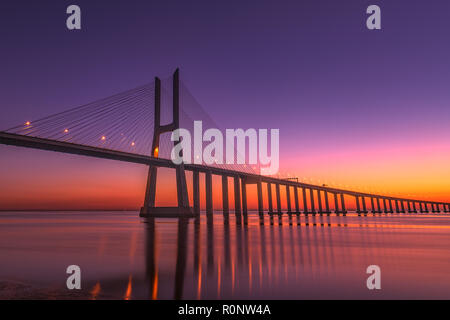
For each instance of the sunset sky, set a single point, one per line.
(357, 109)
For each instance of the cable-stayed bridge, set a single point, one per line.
(135, 126)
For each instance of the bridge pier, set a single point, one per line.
(409, 207)
(397, 209)
(402, 203)
(244, 197)
(378, 205)
(421, 207)
(414, 207)
(208, 191)
(344, 211)
(288, 199)
(358, 209)
(385, 205)
(277, 191)
(225, 207)
(364, 208)
(372, 205)
(297, 206)
(149, 208)
(447, 208)
(319, 201)
(433, 206)
(269, 197)
(237, 199)
(426, 207)
(260, 198)
(336, 204)
(311, 194)
(327, 205)
(390, 206)
(196, 192)
(305, 202)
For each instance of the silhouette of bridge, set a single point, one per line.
(117, 128)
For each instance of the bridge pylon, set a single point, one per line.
(149, 208)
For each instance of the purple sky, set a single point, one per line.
(310, 68)
(313, 60)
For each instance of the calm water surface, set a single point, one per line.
(123, 256)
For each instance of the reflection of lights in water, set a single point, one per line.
(218, 276)
(155, 286)
(127, 295)
(199, 281)
(95, 291)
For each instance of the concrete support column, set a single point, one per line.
(311, 194)
(414, 206)
(319, 200)
(385, 206)
(358, 209)
(225, 207)
(402, 203)
(343, 204)
(237, 197)
(425, 207)
(297, 206)
(269, 197)
(244, 196)
(397, 209)
(327, 205)
(288, 198)
(390, 206)
(277, 189)
(363, 200)
(149, 200)
(208, 187)
(336, 204)
(421, 207)
(372, 205)
(305, 202)
(260, 197)
(378, 205)
(196, 192)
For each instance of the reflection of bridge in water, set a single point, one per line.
(80, 131)
(229, 260)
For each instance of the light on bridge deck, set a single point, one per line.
(133, 144)
(27, 123)
(66, 130)
(103, 138)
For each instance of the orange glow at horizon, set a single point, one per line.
(47, 180)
